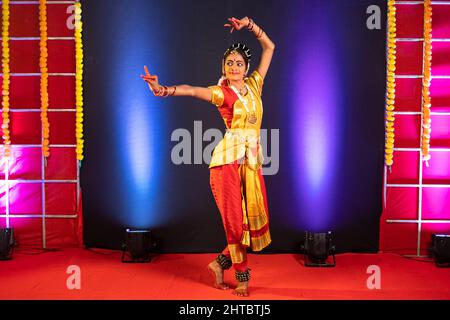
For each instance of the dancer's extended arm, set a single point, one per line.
(179, 90)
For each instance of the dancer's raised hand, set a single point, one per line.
(237, 24)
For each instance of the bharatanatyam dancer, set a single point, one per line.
(235, 170)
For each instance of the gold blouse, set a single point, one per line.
(241, 140)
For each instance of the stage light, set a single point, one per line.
(441, 249)
(138, 246)
(317, 248)
(6, 243)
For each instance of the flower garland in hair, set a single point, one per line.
(6, 79)
(426, 103)
(44, 77)
(79, 81)
(390, 97)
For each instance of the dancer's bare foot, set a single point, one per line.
(241, 289)
(217, 272)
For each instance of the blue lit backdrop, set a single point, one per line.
(138, 117)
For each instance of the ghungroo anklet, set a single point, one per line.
(243, 276)
(224, 262)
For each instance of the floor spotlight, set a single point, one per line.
(137, 246)
(441, 249)
(6, 243)
(317, 248)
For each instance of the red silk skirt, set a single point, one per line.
(226, 187)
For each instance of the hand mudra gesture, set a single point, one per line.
(152, 80)
(237, 24)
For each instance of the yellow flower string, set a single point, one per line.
(6, 79)
(390, 85)
(426, 99)
(79, 81)
(44, 78)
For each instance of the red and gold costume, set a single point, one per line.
(236, 174)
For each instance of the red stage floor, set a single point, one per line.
(184, 276)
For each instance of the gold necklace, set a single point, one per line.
(252, 118)
(241, 90)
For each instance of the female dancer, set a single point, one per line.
(235, 170)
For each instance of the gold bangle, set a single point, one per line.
(173, 92)
(260, 33)
(165, 92)
(250, 24)
(157, 93)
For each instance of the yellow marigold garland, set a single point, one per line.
(44, 77)
(6, 79)
(426, 103)
(390, 96)
(79, 81)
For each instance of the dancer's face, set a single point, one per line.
(235, 67)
